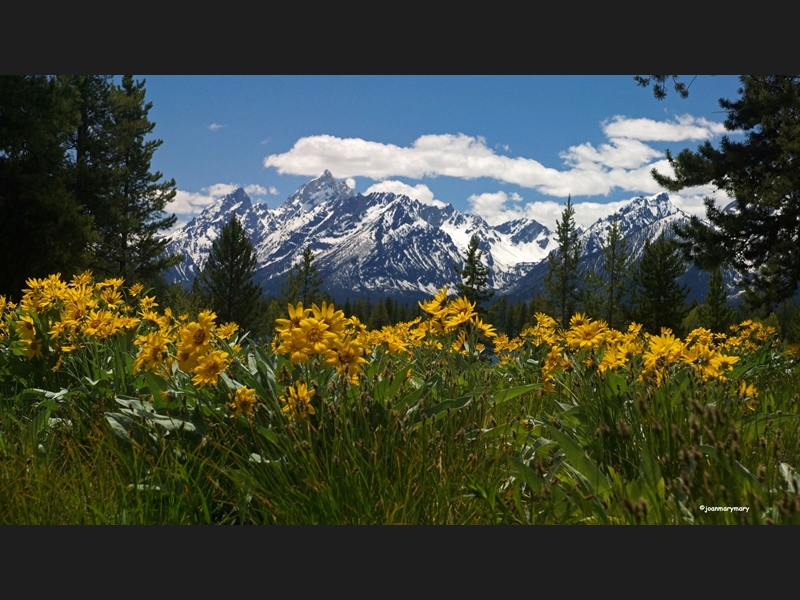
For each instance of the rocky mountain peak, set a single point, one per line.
(238, 197)
(317, 191)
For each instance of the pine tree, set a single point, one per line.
(658, 299)
(303, 283)
(133, 214)
(716, 314)
(43, 227)
(498, 314)
(379, 317)
(227, 277)
(591, 297)
(615, 283)
(94, 170)
(474, 285)
(759, 239)
(562, 282)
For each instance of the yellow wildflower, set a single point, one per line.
(748, 394)
(154, 351)
(210, 367)
(227, 330)
(243, 401)
(298, 401)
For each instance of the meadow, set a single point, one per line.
(116, 411)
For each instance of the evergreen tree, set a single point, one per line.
(760, 237)
(562, 282)
(43, 227)
(227, 277)
(658, 299)
(391, 310)
(716, 314)
(379, 317)
(133, 213)
(660, 85)
(614, 280)
(474, 285)
(498, 314)
(303, 283)
(591, 294)
(94, 174)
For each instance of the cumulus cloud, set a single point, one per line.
(187, 204)
(496, 208)
(620, 153)
(218, 190)
(463, 157)
(684, 127)
(351, 183)
(419, 192)
(273, 190)
(459, 156)
(623, 163)
(215, 126)
(255, 190)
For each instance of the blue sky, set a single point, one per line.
(499, 146)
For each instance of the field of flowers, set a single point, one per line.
(114, 410)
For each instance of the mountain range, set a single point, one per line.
(386, 244)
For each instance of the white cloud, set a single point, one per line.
(273, 190)
(494, 208)
(351, 183)
(458, 156)
(215, 126)
(419, 192)
(620, 153)
(255, 190)
(623, 163)
(218, 190)
(685, 127)
(188, 204)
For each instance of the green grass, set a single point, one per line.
(430, 437)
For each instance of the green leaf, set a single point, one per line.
(445, 407)
(268, 435)
(386, 388)
(578, 460)
(418, 394)
(38, 424)
(508, 394)
(526, 475)
(615, 383)
(649, 469)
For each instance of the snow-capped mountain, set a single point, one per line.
(643, 218)
(387, 244)
(380, 243)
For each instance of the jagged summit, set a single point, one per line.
(317, 191)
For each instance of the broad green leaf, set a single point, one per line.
(577, 459)
(525, 474)
(649, 469)
(616, 383)
(38, 424)
(413, 397)
(453, 405)
(504, 395)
